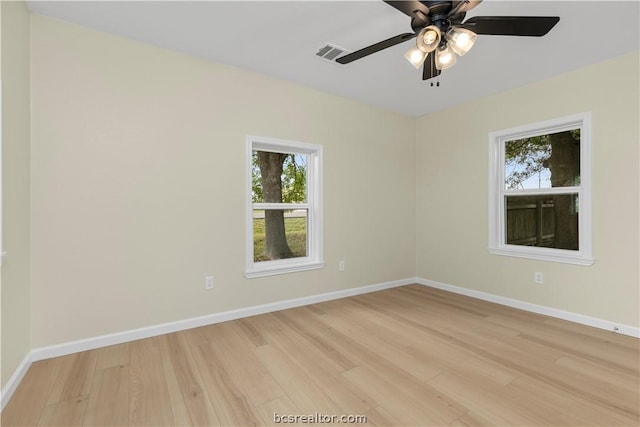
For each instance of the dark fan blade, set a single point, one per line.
(429, 70)
(375, 48)
(409, 7)
(463, 6)
(534, 26)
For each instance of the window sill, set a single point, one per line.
(281, 268)
(544, 254)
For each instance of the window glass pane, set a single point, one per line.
(549, 221)
(278, 177)
(279, 234)
(544, 161)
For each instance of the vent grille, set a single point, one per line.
(330, 52)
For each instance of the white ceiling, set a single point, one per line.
(281, 39)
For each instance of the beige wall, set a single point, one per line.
(138, 184)
(452, 198)
(16, 324)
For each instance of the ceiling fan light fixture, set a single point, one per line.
(445, 58)
(415, 56)
(428, 38)
(461, 40)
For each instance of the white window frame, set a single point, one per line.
(314, 259)
(497, 191)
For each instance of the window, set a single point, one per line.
(540, 191)
(284, 212)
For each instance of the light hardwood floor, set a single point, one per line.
(404, 356)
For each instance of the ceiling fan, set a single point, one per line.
(441, 34)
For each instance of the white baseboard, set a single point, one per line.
(540, 309)
(16, 378)
(180, 325)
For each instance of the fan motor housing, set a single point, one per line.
(438, 15)
(438, 7)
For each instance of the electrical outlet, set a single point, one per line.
(208, 282)
(341, 265)
(538, 278)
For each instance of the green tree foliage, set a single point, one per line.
(294, 179)
(257, 195)
(525, 158)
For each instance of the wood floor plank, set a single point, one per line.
(571, 382)
(149, 401)
(421, 367)
(488, 368)
(600, 346)
(300, 321)
(584, 410)
(321, 369)
(108, 403)
(251, 327)
(179, 407)
(243, 365)
(305, 394)
(439, 352)
(407, 408)
(74, 379)
(113, 355)
(448, 306)
(229, 401)
(386, 329)
(380, 417)
(496, 404)
(29, 400)
(470, 419)
(405, 356)
(66, 413)
(269, 411)
(604, 374)
(433, 318)
(597, 350)
(188, 378)
(388, 372)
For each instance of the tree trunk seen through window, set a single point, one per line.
(271, 166)
(564, 164)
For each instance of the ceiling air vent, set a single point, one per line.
(330, 52)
